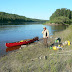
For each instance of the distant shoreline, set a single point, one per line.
(20, 23)
(54, 24)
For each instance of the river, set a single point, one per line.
(12, 33)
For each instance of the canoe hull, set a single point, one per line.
(20, 43)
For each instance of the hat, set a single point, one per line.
(44, 27)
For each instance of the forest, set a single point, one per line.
(61, 16)
(7, 18)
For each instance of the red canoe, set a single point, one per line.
(21, 43)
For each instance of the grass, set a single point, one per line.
(32, 58)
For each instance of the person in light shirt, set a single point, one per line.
(45, 33)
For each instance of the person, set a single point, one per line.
(45, 33)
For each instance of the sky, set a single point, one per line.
(38, 9)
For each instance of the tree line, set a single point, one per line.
(6, 18)
(61, 16)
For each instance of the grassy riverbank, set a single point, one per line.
(32, 58)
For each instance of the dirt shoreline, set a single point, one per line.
(52, 24)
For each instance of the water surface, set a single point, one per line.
(12, 33)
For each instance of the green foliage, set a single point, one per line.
(71, 21)
(62, 16)
(61, 20)
(6, 18)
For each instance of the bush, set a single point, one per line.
(61, 20)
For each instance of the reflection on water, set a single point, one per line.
(12, 33)
(58, 28)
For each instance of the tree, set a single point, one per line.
(68, 13)
(14, 18)
(61, 16)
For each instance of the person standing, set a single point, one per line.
(45, 33)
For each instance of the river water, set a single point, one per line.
(13, 33)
